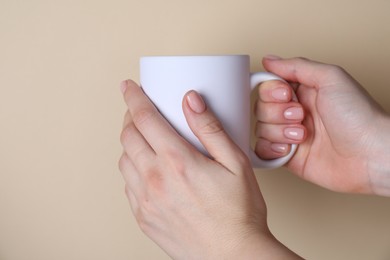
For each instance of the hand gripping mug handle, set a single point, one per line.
(255, 80)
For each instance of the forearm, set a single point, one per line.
(379, 159)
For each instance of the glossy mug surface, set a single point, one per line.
(224, 82)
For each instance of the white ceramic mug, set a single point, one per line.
(224, 82)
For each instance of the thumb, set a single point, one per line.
(209, 130)
(302, 70)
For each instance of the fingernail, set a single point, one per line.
(293, 113)
(279, 148)
(294, 133)
(280, 94)
(195, 102)
(272, 57)
(123, 86)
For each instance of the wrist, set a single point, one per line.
(264, 246)
(379, 163)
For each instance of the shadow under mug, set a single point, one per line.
(224, 82)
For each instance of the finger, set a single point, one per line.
(279, 113)
(268, 150)
(275, 91)
(126, 119)
(129, 173)
(133, 184)
(137, 148)
(134, 205)
(210, 132)
(150, 123)
(285, 134)
(302, 70)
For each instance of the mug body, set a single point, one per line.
(222, 81)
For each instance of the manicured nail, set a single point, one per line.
(195, 102)
(123, 86)
(280, 94)
(294, 133)
(293, 113)
(279, 148)
(272, 57)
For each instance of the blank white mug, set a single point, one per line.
(224, 82)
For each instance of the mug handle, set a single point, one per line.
(255, 80)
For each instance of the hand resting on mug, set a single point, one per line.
(346, 133)
(194, 207)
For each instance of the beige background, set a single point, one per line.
(61, 194)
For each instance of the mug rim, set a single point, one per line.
(197, 56)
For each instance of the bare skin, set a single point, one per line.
(195, 207)
(347, 134)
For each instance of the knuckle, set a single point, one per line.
(177, 161)
(126, 118)
(261, 129)
(267, 112)
(128, 191)
(141, 221)
(335, 70)
(142, 224)
(142, 212)
(122, 162)
(331, 73)
(145, 215)
(126, 134)
(136, 155)
(212, 127)
(154, 180)
(143, 115)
